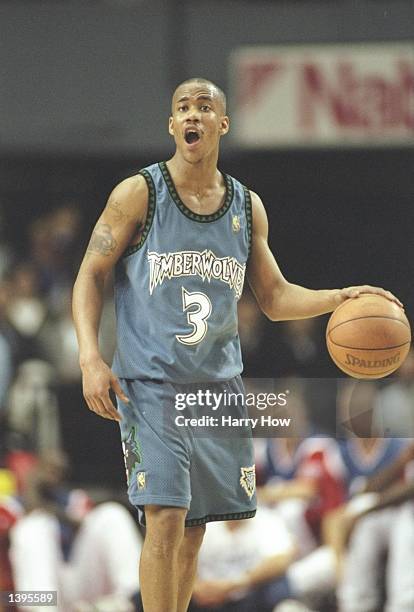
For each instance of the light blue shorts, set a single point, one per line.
(208, 470)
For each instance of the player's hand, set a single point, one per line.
(98, 379)
(354, 292)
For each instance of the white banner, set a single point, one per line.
(323, 95)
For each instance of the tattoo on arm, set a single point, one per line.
(115, 208)
(102, 241)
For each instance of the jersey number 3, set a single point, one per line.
(197, 317)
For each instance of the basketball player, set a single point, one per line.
(180, 235)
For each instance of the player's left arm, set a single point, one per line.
(281, 300)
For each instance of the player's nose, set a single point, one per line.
(193, 114)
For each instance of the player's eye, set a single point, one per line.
(183, 108)
(205, 108)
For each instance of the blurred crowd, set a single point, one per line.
(335, 525)
(38, 348)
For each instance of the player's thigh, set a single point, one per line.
(223, 482)
(156, 452)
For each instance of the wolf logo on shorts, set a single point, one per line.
(248, 480)
(132, 453)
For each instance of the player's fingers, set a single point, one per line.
(110, 408)
(105, 410)
(89, 403)
(393, 298)
(387, 294)
(350, 292)
(97, 407)
(118, 389)
(93, 405)
(353, 292)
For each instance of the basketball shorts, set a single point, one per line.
(200, 465)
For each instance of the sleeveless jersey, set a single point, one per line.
(176, 291)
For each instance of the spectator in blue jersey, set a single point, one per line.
(304, 481)
(379, 518)
(181, 236)
(302, 473)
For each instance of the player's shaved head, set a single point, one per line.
(215, 90)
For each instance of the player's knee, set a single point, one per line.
(194, 535)
(193, 538)
(165, 524)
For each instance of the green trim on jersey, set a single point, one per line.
(189, 213)
(150, 214)
(249, 216)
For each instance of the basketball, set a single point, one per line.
(368, 336)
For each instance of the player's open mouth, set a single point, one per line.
(191, 136)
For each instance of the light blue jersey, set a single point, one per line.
(176, 292)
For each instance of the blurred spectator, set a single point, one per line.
(256, 334)
(6, 358)
(26, 310)
(238, 561)
(304, 482)
(322, 473)
(32, 411)
(6, 369)
(375, 469)
(302, 349)
(379, 524)
(26, 313)
(394, 410)
(363, 452)
(293, 606)
(89, 555)
(55, 251)
(303, 474)
(6, 254)
(60, 345)
(307, 487)
(10, 510)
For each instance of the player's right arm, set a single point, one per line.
(116, 228)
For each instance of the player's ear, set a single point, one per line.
(170, 126)
(224, 125)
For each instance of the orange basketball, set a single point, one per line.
(368, 336)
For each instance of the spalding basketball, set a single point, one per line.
(368, 336)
